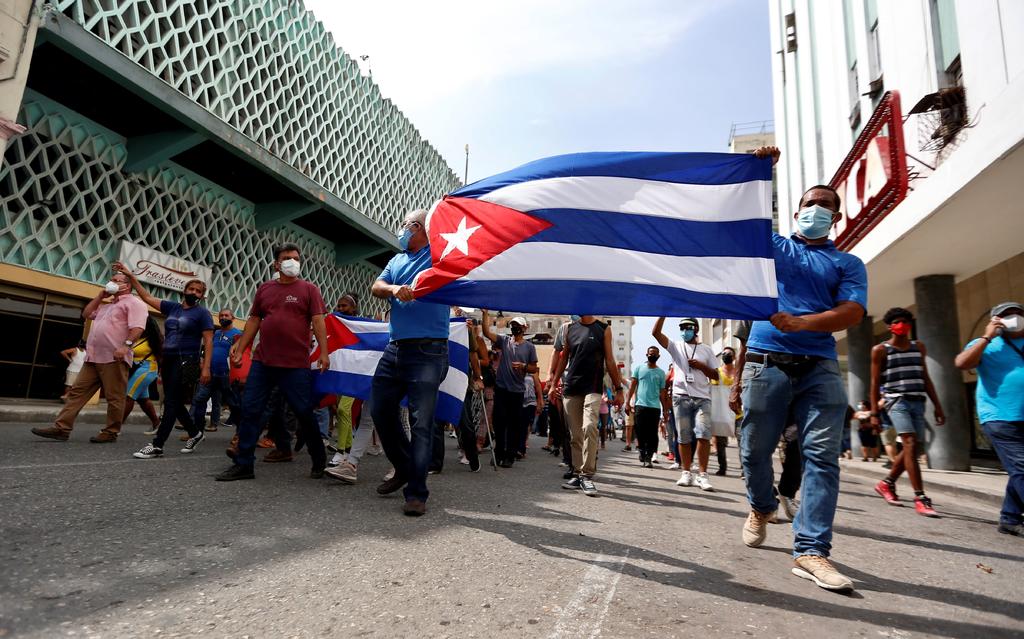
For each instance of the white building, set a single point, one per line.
(951, 248)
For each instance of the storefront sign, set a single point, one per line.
(160, 269)
(872, 179)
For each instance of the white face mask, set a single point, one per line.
(1013, 323)
(291, 268)
(112, 288)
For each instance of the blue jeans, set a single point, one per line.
(907, 417)
(296, 384)
(693, 418)
(412, 370)
(1008, 440)
(219, 389)
(816, 400)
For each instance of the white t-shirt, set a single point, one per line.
(687, 381)
(77, 360)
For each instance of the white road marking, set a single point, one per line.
(578, 618)
(88, 463)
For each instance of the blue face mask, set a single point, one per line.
(814, 222)
(403, 239)
(574, 318)
(688, 334)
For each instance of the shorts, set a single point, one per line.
(868, 439)
(70, 377)
(138, 383)
(889, 436)
(907, 417)
(693, 418)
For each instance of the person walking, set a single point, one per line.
(899, 377)
(583, 354)
(117, 320)
(188, 348)
(75, 357)
(413, 366)
(518, 359)
(695, 368)
(533, 405)
(648, 386)
(218, 390)
(283, 312)
(790, 373)
(998, 358)
(147, 352)
(723, 420)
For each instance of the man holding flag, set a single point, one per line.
(412, 366)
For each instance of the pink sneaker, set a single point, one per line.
(888, 493)
(923, 506)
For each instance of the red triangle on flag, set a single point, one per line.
(338, 336)
(466, 232)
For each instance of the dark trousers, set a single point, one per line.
(175, 371)
(467, 428)
(412, 370)
(219, 390)
(508, 411)
(792, 470)
(721, 443)
(437, 447)
(296, 387)
(645, 427)
(529, 417)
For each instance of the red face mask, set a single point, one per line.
(899, 328)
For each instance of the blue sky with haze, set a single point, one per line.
(524, 80)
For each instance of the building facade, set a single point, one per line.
(196, 134)
(919, 103)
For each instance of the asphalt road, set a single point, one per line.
(97, 544)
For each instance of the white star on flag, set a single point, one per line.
(459, 239)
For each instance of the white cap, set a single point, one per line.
(521, 321)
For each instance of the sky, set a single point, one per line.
(518, 81)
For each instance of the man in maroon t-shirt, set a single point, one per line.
(282, 313)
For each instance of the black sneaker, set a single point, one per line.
(149, 451)
(572, 484)
(317, 473)
(235, 473)
(192, 442)
(589, 489)
(569, 474)
(474, 465)
(1017, 530)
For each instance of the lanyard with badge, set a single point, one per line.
(689, 371)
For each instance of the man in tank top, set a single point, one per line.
(899, 376)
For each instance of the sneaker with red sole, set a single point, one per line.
(923, 506)
(888, 493)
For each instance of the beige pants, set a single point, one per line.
(582, 412)
(113, 378)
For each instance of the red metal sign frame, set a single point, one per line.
(888, 113)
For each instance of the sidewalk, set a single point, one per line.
(36, 412)
(984, 484)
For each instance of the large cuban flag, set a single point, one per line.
(355, 346)
(610, 233)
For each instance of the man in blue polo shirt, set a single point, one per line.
(219, 387)
(791, 373)
(413, 366)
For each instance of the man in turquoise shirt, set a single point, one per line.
(649, 388)
(413, 366)
(998, 356)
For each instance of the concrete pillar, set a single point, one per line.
(938, 327)
(859, 340)
(19, 22)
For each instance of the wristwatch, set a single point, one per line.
(128, 342)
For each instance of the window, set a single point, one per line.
(874, 51)
(851, 67)
(947, 42)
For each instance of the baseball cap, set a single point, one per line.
(520, 320)
(999, 309)
(688, 320)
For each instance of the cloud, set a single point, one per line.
(421, 52)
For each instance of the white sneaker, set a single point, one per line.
(674, 466)
(337, 459)
(463, 460)
(685, 479)
(374, 450)
(150, 433)
(390, 475)
(695, 467)
(149, 451)
(703, 483)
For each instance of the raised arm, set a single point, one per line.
(485, 326)
(970, 357)
(143, 293)
(659, 336)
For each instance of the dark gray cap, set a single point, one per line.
(999, 309)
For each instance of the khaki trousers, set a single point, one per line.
(583, 412)
(113, 378)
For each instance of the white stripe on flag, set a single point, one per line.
(355, 362)
(751, 276)
(699, 202)
(455, 383)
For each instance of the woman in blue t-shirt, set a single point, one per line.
(188, 347)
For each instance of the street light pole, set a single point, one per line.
(465, 175)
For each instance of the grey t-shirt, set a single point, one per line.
(525, 352)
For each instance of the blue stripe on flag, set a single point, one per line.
(600, 298)
(448, 409)
(651, 234)
(334, 382)
(681, 168)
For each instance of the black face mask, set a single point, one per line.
(653, 358)
(727, 358)
(226, 323)
(191, 299)
(517, 330)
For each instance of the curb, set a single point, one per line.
(989, 498)
(43, 416)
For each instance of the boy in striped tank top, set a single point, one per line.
(899, 376)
